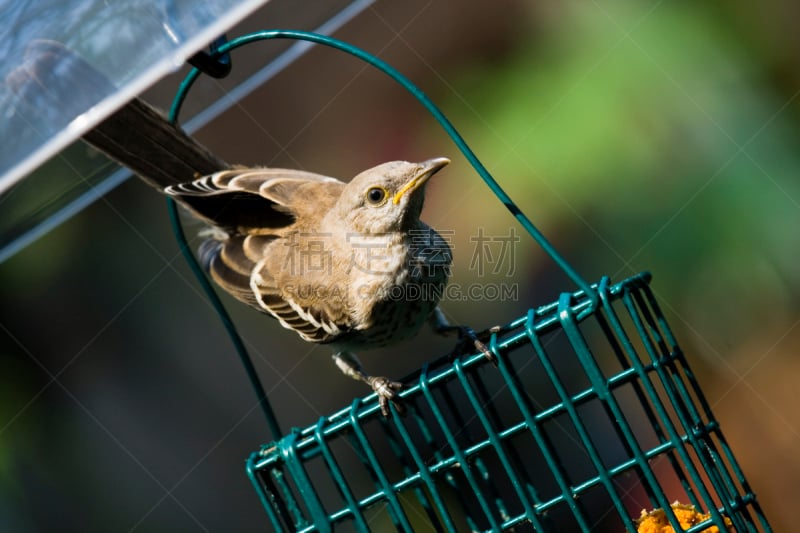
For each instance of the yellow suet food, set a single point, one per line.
(656, 520)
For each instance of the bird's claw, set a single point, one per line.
(467, 335)
(387, 391)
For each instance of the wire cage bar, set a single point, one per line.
(587, 419)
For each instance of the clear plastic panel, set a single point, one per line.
(133, 44)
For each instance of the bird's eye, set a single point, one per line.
(377, 195)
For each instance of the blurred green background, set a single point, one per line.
(637, 135)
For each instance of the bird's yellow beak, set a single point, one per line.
(426, 170)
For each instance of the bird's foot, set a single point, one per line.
(468, 339)
(387, 391)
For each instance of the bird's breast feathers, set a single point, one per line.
(328, 286)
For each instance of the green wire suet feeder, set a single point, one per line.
(517, 447)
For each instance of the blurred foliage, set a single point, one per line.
(651, 133)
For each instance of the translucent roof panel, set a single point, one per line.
(132, 43)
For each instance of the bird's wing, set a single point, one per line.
(229, 266)
(257, 270)
(256, 200)
(263, 210)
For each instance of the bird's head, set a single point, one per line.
(388, 197)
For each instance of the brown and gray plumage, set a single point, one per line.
(345, 264)
(365, 235)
